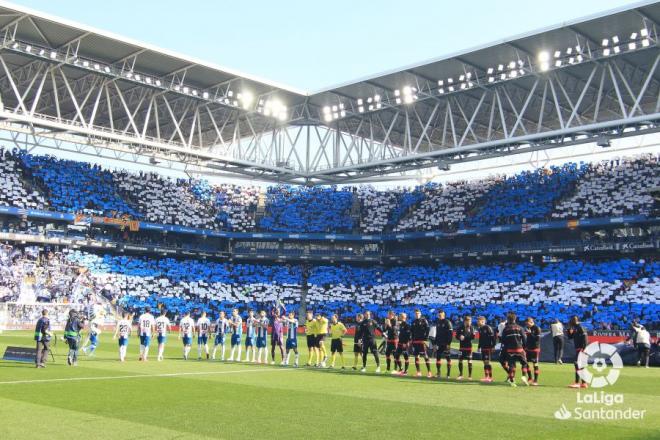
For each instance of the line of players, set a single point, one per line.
(402, 340)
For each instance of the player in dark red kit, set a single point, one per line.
(532, 349)
(486, 346)
(578, 334)
(390, 332)
(465, 335)
(513, 341)
(403, 344)
(420, 333)
(443, 337)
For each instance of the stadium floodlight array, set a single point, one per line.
(370, 103)
(406, 95)
(333, 112)
(272, 107)
(614, 45)
(242, 99)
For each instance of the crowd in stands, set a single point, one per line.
(164, 200)
(603, 189)
(235, 204)
(612, 188)
(606, 294)
(302, 209)
(73, 186)
(527, 196)
(445, 207)
(13, 191)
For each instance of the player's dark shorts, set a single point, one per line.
(311, 341)
(336, 346)
(187, 340)
(504, 356)
(249, 341)
(261, 342)
(123, 341)
(533, 355)
(145, 340)
(402, 348)
(357, 347)
(235, 339)
(465, 353)
(162, 339)
(443, 351)
(390, 348)
(291, 344)
(276, 340)
(419, 349)
(369, 345)
(219, 339)
(518, 356)
(320, 339)
(486, 354)
(202, 339)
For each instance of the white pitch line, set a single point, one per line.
(135, 376)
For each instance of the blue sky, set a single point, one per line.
(312, 44)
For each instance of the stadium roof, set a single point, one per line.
(66, 83)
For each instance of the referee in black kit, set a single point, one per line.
(42, 335)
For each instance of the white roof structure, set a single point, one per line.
(68, 86)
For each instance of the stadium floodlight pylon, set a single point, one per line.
(69, 86)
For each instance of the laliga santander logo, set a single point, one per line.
(599, 354)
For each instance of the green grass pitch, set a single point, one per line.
(103, 398)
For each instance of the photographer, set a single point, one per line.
(72, 336)
(42, 335)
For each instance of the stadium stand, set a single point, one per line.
(316, 209)
(527, 196)
(612, 188)
(164, 200)
(376, 208)
(605, 294)
(13, 191)
(445, 208)
(77, 186)
(236, 204)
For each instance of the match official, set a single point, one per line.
(42, 336)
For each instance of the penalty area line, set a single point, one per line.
(145, 376)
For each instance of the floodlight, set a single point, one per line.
(369, 100)
(450, 80)
(644, 32)
(158, 82)
(490, 70)
(86, 64)
(441, 82)
(185, 89)
(469, 75)
(397, 92)
(617, 49)
(579, 58)
(342, 113)
(194, 92)
(615, 39)
(230, 93)
(606, 52)
(376, 98)
(28, 48)
(605, 42)
(503, 76)
(334, 108)
(361, 109)
(571, 60)
(379, 105)
(359, 101)
(96, 66)
(462, 86)
(107, 69)
(326, 109)
(205, 95)
(569, 51)
(558, 63)
(407, 90)
(451, 88)
(500, 67)
(441, 90)
(461, 78)
(137, 77)
(544, 56)
(645, 42)
(632, 45)
(328, 117)
(335, 115)
(148, 80)
(491, 79)
(545, 66)
(398, 100)
(557, 54)
(633, 36)
(512, 65)
(371, 107)
(513, 73)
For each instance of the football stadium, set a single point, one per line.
(463, 246)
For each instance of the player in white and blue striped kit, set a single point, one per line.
(251, 337)
(262, 337)
(203, 330)
(291, 338)
(236, 324)
(221, 329)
